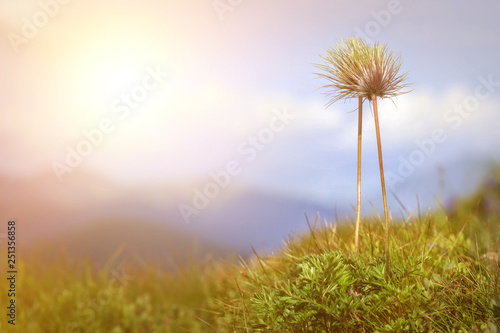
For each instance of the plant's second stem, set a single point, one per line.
(382, 180)
(358, 208)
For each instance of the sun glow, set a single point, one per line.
(105, 71)
(106, 62)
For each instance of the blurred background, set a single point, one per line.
(195, 127)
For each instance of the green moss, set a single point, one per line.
(445, 277)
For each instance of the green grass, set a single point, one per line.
(444, 277)
(439, 282)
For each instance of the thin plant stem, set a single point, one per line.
(382, 180)
(358, 208)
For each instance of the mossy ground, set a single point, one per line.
(444, 277)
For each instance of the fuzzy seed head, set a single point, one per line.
(358, 69)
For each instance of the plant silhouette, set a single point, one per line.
(357, 69)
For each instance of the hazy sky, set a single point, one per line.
(174, 90)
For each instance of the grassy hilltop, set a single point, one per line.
(444, 277)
